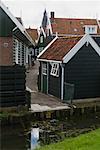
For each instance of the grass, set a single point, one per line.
(87, 141)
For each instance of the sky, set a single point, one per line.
(31, 11)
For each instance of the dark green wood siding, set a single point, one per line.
(12, 86)
(45, 84)
(6, 25)
(54, 84)
(83, 70)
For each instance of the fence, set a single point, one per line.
(68, 92)
(12, 86)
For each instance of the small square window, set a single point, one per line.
(41, 39)
(55, 69)
(44, 68)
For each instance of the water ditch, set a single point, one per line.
(29, 135)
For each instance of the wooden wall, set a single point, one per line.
(12, 86)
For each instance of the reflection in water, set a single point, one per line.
(34, 138)
(15, 138)
(18, 138)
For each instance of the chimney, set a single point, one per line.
(52, 14)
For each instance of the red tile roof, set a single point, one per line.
(60, 48)
(33, 33)
(71, 26)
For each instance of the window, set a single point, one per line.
(41, 39)
(40, 49)
(44, 68)
(91, 29)
(55, 69)
(15, 51)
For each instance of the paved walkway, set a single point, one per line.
(41, 102)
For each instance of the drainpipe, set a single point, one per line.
(41, 64)
(62, 82)
(47, 76)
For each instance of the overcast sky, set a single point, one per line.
(31, 11)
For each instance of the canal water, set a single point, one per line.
(16, 138)
(19, 137)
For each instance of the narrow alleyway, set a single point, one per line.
(37, 98)
(31, 77)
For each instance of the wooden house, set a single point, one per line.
(34, 33)
(70, 67)
(15, 42)
(51, 26)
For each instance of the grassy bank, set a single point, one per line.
(88, 141)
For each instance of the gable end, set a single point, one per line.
(86, 39)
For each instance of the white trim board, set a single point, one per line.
(16, 22)
(51, 61)
(76, 48)
(42, 30)
(47, 47)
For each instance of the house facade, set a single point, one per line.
(15, 46)
(15, 42)
(70, 67)
(34, 33)
(52, 26)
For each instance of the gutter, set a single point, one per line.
(45, 60)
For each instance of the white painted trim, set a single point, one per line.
(47, 47)
(16, 51)
(41, 29)
(15, 29)
(16, 22)
(94, 45)
(44, 69)
(49, 23)
(76, 48)
(47, 77)
(62, 83)
(41, 78)
(54, 70)
(6, 10)
(53, 61)
(38, 31)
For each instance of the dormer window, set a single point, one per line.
(90, 29)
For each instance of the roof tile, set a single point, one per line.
(60, 48)
(33, 33)
(71, 26)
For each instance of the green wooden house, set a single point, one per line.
(15, 42)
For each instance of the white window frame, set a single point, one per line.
(15, 51)
(91, 29)
(44, 68)
(41, 39)
(55, 69)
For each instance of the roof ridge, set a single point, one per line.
(75, 18)
(67, 37)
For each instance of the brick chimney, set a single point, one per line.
(52, 14)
